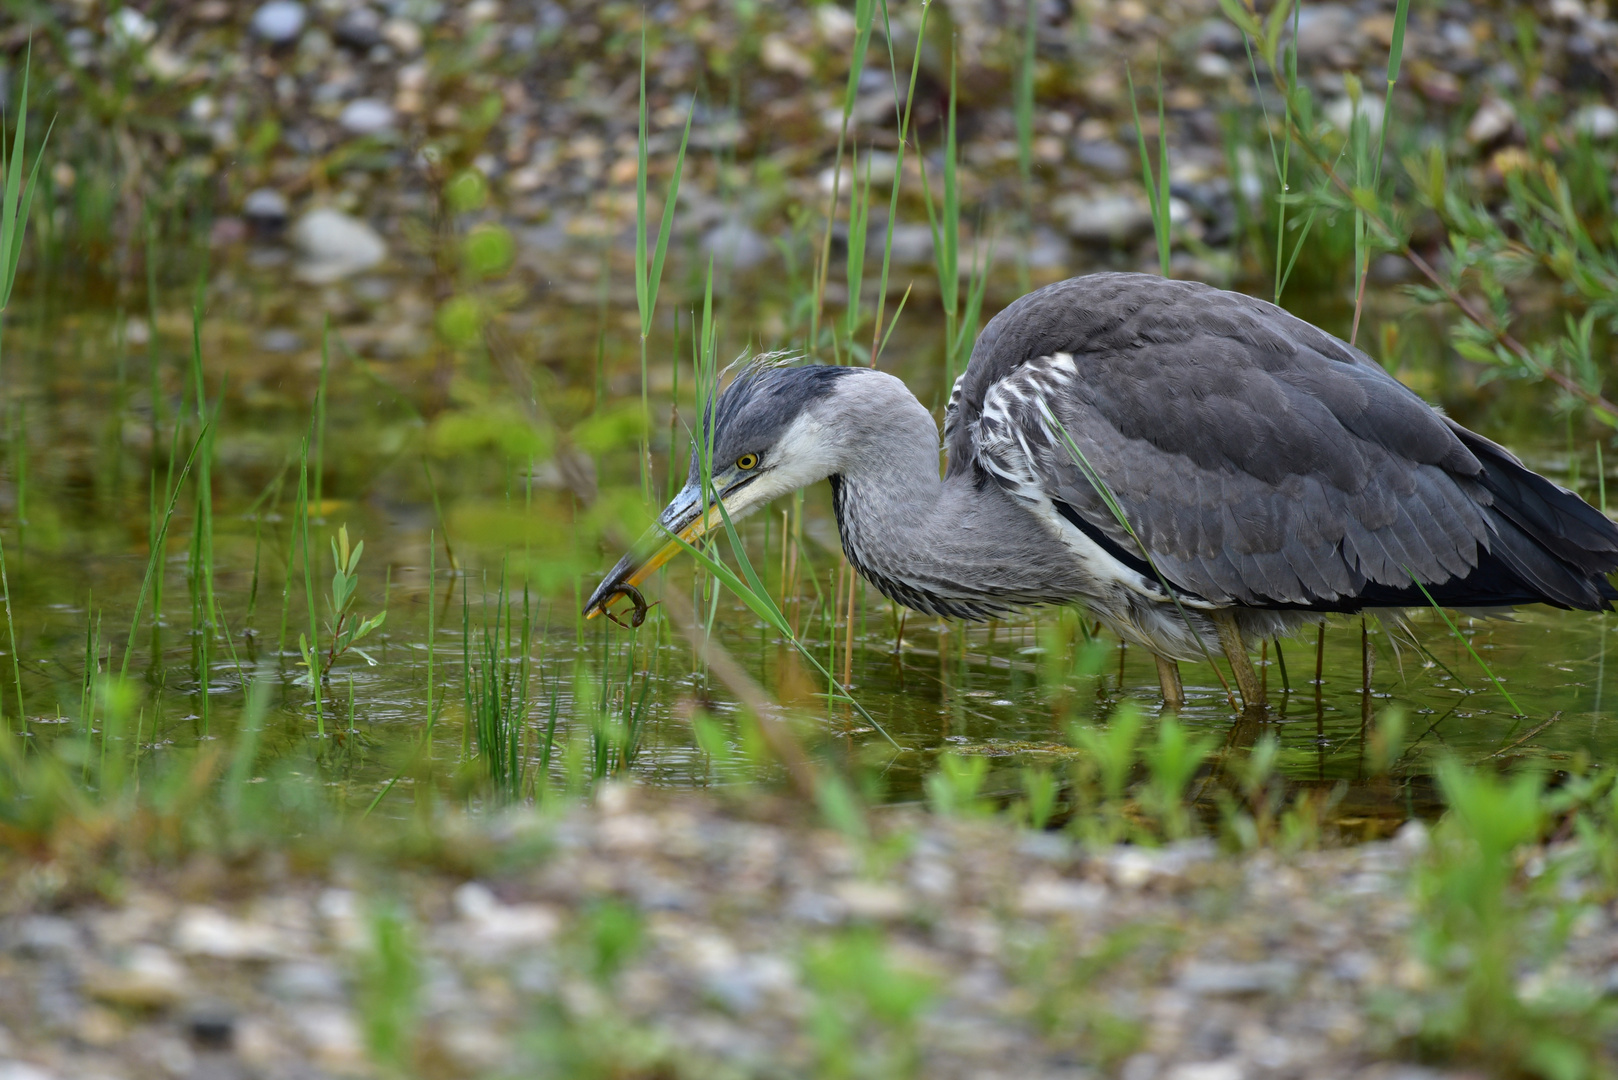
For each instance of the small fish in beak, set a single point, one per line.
(682, 520)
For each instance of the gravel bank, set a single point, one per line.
(670, 936)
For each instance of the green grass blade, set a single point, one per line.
(154, 564)
(666, 225)
(1463, 640)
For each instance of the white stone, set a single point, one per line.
(366, 116)
(1597, 121)
(779, 54)
(1104, 219)
(1050, 896)
(403, 35)
(23, 1070)
(1340, 111)
(1494, 120)
(265, 205)
(491, 926)
(279, 21)
(205, 931)
(129, 27)
(148, 978)
(334, 245)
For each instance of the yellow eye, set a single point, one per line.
(747, 461)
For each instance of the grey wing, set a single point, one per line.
(1257, 460)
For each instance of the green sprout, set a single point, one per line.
(345, 627)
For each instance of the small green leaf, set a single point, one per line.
(488, 250)
(460, 322)
(466, 191)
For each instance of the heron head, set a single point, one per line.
(762, 437)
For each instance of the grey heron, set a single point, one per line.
(1197, 467)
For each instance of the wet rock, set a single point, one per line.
(149, 978)
(1493, 121)
(367, 116)
(333, 245)
(280, 21)
(1100, 220)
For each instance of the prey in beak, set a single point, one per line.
(683, 519)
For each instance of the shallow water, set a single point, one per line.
(401, 472)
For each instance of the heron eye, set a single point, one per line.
(747, 461)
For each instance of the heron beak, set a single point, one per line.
(682, 518)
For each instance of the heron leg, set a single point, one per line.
(1168, 674)
(1241, 665)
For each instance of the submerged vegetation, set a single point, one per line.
(438, 671)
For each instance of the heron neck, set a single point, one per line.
(939, 546)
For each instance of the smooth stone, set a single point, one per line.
(1493, 121)
(130, 27)
(305, 980)
(333, 245)
(44, 935)
(366, 116)
(1105, 157)
(735, 244)
(1222, 979)
(359, 28)
(266, 206)
(1597, 121)
(1104, 219)
(150, 978)
(280, 21)
(204, 931)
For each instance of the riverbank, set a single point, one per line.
(653, 934)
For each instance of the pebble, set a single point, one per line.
(492, 927)
(736, 245)
(129, 28)
(403, 35)
(280, 21)
(1217, 978)
(367, 116)
(204, 931)
(1597, 121)
(1493, 121)
(334, 245)
(23, 1070)
(359, 28)
(45, 935)
(266, 207)
(149, 978)
(305, 980)
(1101, 220)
